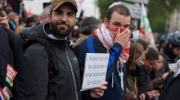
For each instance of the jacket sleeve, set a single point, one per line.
(91, 46)
(18, 89)
(36, 74)
(154, 84)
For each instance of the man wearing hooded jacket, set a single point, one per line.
(65, 81)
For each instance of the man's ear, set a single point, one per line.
(170, 45)
(49, 17)
(41, 19)
(75, 20)
(106, 22)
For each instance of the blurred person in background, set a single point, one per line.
(12, 18)
(4, 18)
(24, 12)
(30, 22)
(142, 75)
(135, 56)
(87, 26)
(146, 39)
(170, 53)
(162, 44)
(157, 83)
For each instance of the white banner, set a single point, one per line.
(79, 5)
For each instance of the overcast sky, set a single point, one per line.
(37, 7)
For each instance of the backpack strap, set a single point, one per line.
(101, 47)
(53, 66)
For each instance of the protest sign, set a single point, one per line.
(95, 70)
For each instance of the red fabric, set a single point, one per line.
(112, 32)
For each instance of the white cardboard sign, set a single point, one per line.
(95, 70)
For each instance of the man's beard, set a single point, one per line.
(61, 31)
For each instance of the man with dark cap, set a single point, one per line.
(57, 78)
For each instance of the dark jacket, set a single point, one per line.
(68, 83)
(114, 90)
(155, 83)
(171, 88)
(14, 57)
(143, 80)
(26, 33)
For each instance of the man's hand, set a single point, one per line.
(98, 92)
(142, 96)
(153, 94)
(123, 37)
(165, 75)
(4, 22)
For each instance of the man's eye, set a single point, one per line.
(58, 13)
(126, 26)
(71, 14)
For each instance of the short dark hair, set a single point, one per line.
(88, 24)
(152, 54)
(121, 9)
(143, 43)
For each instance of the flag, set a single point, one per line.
(145, 28)
(79, 5)
(29, 14)
(2, 97)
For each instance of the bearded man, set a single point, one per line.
(52, 70)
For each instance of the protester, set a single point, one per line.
(30, 21)
(52, 70)
(87, 26)
(142, 75)
(170, 53)
(145, 47)
(11, 66)
(156, 83)
(43, 17)
(146, 39)
(3, 18)
(135, 56)
(108, 38)
(12, 18)
(171, 86)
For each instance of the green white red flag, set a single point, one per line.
(145, 28)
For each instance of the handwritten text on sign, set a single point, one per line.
(95, 70)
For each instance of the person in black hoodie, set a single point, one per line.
(11, 65)
(143, 79)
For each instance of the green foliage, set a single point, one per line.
(158, 11)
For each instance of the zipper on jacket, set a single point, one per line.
(72, 71)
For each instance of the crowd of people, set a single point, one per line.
(43, 58)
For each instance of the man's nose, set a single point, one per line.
(64, 18)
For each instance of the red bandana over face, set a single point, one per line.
(107, 36)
